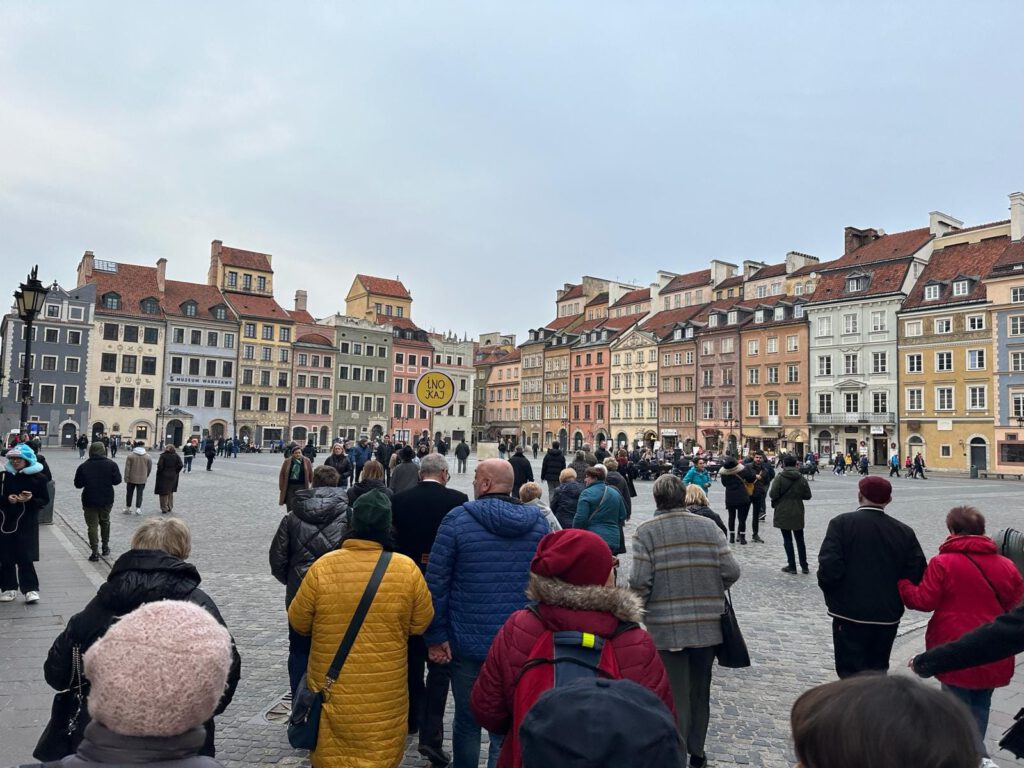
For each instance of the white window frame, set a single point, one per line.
(961, 288)
(977, 353)
(939, 357)
(919, 358)
(943, 326)
(939, 394)
(913, 328)
(851, 323)
(931, 292)
(977, 398)
(975, 322)
(913, 393)
(878, 323)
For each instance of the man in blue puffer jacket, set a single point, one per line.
(477, 573)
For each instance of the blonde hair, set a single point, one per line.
(611, 464)
(695, 495)
(169, 534)
(529, 492)
(566, 475)
(372, 470)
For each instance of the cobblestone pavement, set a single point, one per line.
(233, 513)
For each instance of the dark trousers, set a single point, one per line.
(801, 549)
(689, 677)
(188, 463)
(862, 647)
(16, 566)
(97, 522)
(552, 487)
(742, 512)
(759, 510)
(209, 463)
(461, 465)
(427, 701)
(137, 489)
(298, 657)
(894, 470)
(979, 702)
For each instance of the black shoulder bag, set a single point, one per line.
(732, 652)
(68, 717)
(304, 722)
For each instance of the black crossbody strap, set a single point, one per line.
(985, 576)
(357, 621)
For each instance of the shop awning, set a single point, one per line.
(710, 432)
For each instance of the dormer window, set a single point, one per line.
(733, 317)
(689, 333)
(798, 310)
(713, 321)
(780, 313)
(111, 301)
(931, 292)
(677, 334)
(149, 306)
(798, 289)
(961, 288)
(759, 316)
(604, 335)
(220, 313)
(190, 309)
(856, 283)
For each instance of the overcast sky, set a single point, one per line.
(488, 152)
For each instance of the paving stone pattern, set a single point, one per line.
(233, 514)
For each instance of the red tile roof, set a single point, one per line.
(600, 299)
(689, 280)
(662, 323)
(634, 297)
(772, 270)
(895, 246)
(563, 322)
(809, 268)
(1011, 257)
(237, 257)
(317, 339)
(397, 322)
(302, 316)
(133, 283)
(573, 293)
(251, 305)
(382, 286)
(730, 282)
(885, 277)
(205, 296)
(968, 259)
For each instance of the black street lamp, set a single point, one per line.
(29, 297)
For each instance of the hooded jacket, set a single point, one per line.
(552, 464)
(314, 527)
(734, 477)
(522, 472)
(97, 476)
(404, 476)
(139, 576)
(137, 466)
(20, 520)
(963, 596)
(563, 607)
(478, 570)
(788, 493)
(565, 500)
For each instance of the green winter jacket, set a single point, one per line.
(788, 493)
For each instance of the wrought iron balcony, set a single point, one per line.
(853, 418)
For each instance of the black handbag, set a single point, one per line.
(304, 722)
(1013, 738)
(68, 717)
(732, 652)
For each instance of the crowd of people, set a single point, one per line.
(516, 608)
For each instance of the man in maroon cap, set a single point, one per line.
(864, 554)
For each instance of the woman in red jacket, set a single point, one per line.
(571, 582)
(967, 584)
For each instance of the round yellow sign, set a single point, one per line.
(435, 390)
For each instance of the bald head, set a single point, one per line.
(493, 476)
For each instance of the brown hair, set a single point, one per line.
(597, 472)
(965, 521)
(372, 470)
(884, 722)
(325, 476)
(529, 492)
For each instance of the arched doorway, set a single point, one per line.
(548, 438)
(621, 440)
(141, 431)
(825, 443)
(68, 434)
(299, 434)
(979, 453)
(650, 438)
(175, 431)
(376, 431)
(217, 430)
(577, 440)
(915, 445)
(97, 429)
(325, 435)
(563, 437)
(601, 437)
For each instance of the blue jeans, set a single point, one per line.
(979, 702)
(465, 728)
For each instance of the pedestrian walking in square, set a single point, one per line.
(97, 476)
(168, 467)
(188, 452)
(22, 494)
(137, 468)
(864, 555)
(210, 453)
(296, 474)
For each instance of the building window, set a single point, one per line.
(127, 397)
(913, 328)
(944, 398)
(111, 301)
(850, 323)
(72, 364)
(792, 373)
(211, 338)
(915, 399)
(268, 332)
(975, 322)
(190, 308)
(229, 341)
(773, 407)
(285, 334)
(752, 348)
(150, 335)
(69, 395)
(249, 330)
(195, 338)
(960, 288)
(943, 325)
(879, 402)
(879, 362)
(792, 407)
(149, 366)
(247, 286)
(109, 331)
(261, 284)
(824, 365)
(914, 363)
(976, 359)
(51, 335)
(1017, 361)
(943, 361)
(108, 362)
(46, 393)
(931, 292)
(855, 284)
(1017, 295)
(74, 337)
(233, 282)
(220, 313)
(771, 345)
(106, 396)
(792, 343)
(753, 408)
(245, 403)
(824, 326)
(851, 364)
(851, 402)
(977, 398)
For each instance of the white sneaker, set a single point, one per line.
(8, 596)
(31, 597)
(138, 511)
(988, 762)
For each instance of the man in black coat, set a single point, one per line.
(462, 453)
(864, 554)
(97, 476)
(385, 450)
(416, 515)
(522, 471)
(551, 467)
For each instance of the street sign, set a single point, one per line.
(435, 390)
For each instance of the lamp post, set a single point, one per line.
(29, 297)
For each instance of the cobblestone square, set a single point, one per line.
(233, 514)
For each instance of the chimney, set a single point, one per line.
(857, 238)
(940, 223)
(300, 300)
(211, 277)
(721, 270)
(85, 267)
(796, 260)
(750, 268)
(1017, 216)
(161, 274)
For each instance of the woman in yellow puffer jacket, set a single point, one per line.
(364, 721)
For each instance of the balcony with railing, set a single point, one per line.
(770, 421)
(853, 418)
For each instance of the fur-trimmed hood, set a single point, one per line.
(618, 601)
(733, 470)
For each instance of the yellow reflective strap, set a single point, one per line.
(588, 640)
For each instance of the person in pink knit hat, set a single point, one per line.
(156, 676)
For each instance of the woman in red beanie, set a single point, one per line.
(571, 584)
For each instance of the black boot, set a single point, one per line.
(94, 556)
(732, 537)
(106, 550)
(743, 538)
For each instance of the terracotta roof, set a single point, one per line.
(492, 356)
(973, 259)
(382, 286)
(562, 322)
(772, 270)
(895, 246)
(809, 268)
(237, 257)
(205, 296)
(885, 277)
(634, 297)
(513, 357)
(302, 316)
(397, 322)
(730, 282)
(314, 338)
(573, 293)
(689, 280)
(133, 283)
(250, 305)
(600, 299)
(1011, 257)
(662, 323)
